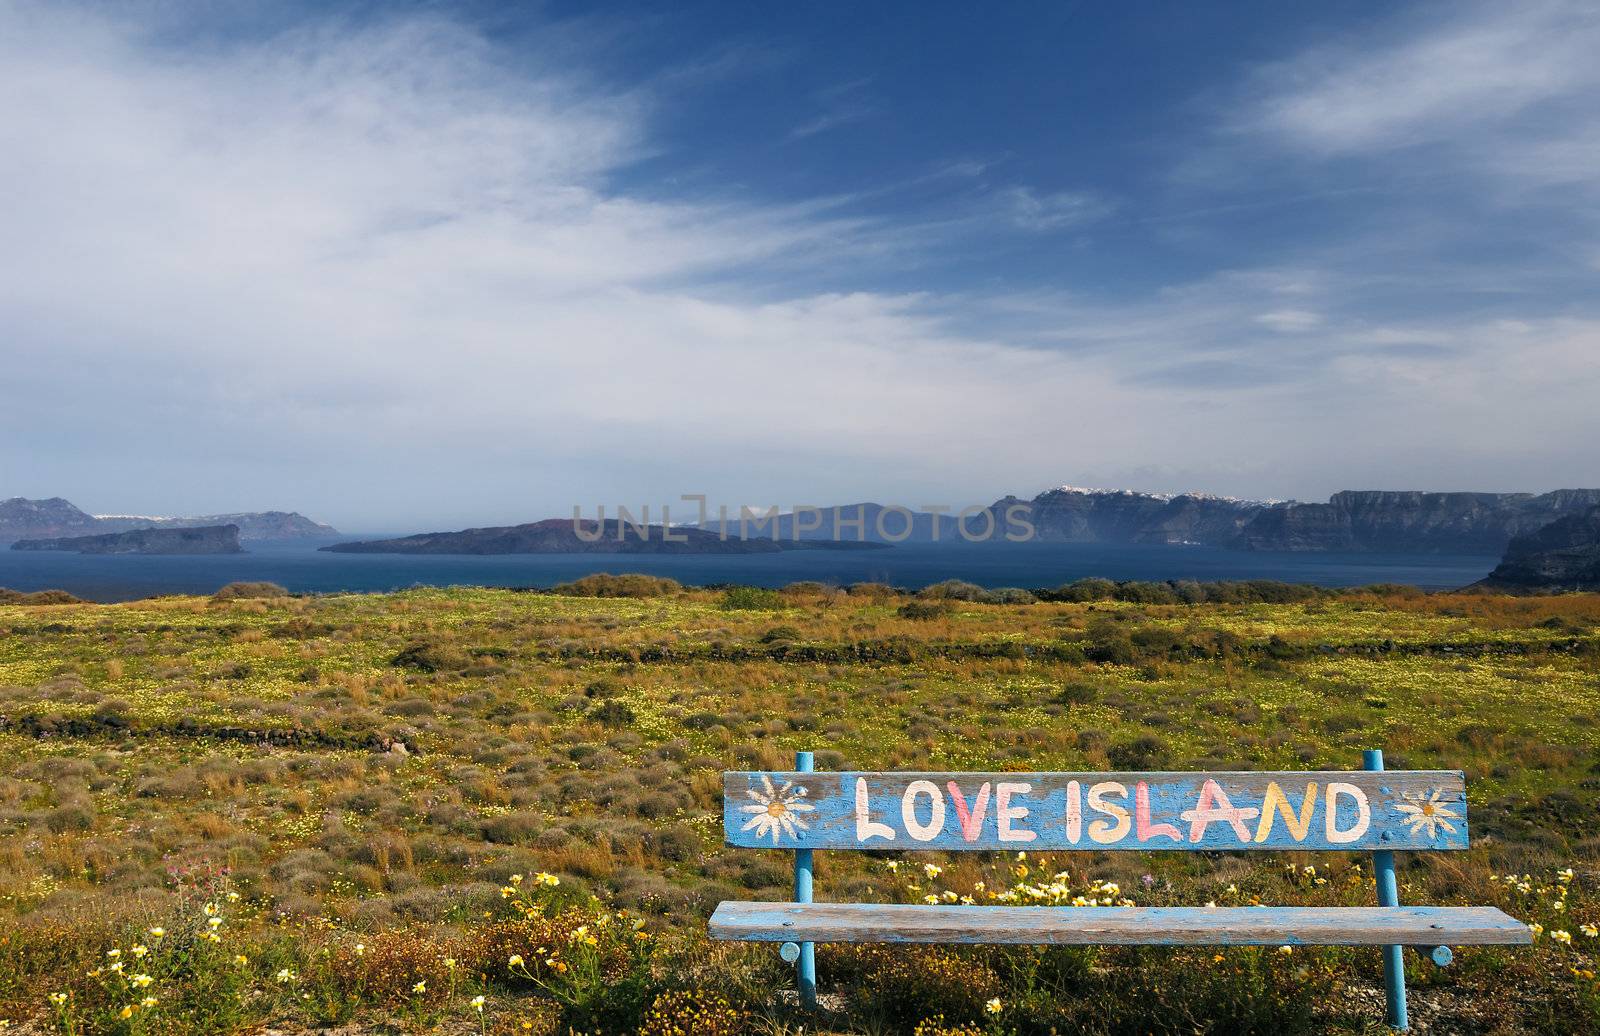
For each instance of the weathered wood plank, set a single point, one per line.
(1358, 810)
(1118, 926)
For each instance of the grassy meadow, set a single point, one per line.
(482, 811)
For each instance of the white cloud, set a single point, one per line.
(1508, 88)
(1049, 211)
(1289, 321)
(382, 272)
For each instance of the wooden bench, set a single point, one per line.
(1370, 810)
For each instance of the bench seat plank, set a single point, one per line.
(1118, 926)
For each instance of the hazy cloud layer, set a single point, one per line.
(384, 275)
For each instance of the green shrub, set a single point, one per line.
(750, 598)
(246, 590)
(952, 590)
(628, 584)
(612, 713)
(37, 597)
(428, 657)
(1009, 595)
(1083, 590)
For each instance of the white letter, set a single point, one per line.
(904, 534)
(1012, 518)
(811, 522)
(973, 512)
(578, 525)
(666, 527)
(625, 522)
(747, 518)
(908, 811)
(866, 827)
(859, 522)
(1363, 813)
(1005, 812)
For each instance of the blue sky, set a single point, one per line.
(448, 264)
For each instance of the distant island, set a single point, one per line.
(1562, 556)
(1353, 521)
(212, 539)
(564, 536)
(23, 519)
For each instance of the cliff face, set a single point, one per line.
(22, 519)
(215, 539)
(1072, 515)
(254, 526)
(1466, 523)
(1564, 555)
(30, 519)
(558, 536)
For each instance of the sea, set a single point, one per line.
(304, 569)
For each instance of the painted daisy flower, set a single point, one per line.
(1426, 813)
(775, 811)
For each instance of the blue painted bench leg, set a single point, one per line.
(1394, 965)
(806, 965)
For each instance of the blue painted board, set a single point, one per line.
(1356, 810)
(1125, 926)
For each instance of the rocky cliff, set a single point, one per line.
(1356, 521)
(30, 519)
(1564, 555)
(22, 519)
(214, 539)
(254, 526)
(1464, 523)
(1070, 514)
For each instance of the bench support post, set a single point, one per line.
(1394, 965)
(805, 968)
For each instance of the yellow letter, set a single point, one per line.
(1105, 831)
(1277, 802)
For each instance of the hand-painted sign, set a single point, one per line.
(1393, 809)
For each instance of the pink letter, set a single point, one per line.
(971, 821)
(1141, 817)
(1074, 812)
(1214, 806)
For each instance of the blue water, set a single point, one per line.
(1018, 564)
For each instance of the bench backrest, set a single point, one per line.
(1357, 810)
